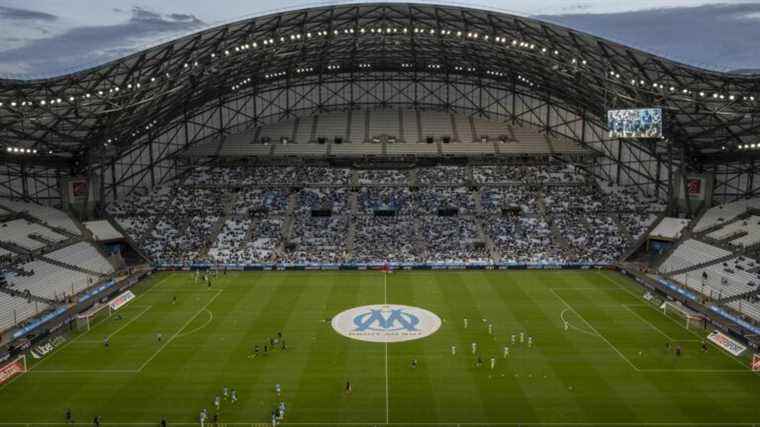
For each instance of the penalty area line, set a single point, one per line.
(176, 334)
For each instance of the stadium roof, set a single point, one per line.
(119, 102)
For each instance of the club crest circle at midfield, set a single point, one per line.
(386, 323)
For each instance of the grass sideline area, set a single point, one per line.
(599, 356)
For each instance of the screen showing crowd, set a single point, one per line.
(641, 123)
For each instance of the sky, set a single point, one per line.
(46, 38)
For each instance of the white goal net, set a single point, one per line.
(89, 318)
(691, 318)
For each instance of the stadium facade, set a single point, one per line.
(128, 124)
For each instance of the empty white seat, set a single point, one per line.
(51, 216)
(690, 253)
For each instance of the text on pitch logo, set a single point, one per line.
(386, 323)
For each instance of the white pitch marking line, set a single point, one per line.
(387, 394)
(179, 331)
(210, 319)
(650, 324)
(638, 297)
(249, 424)
(596, 332)
(562, 316)
(59, 349)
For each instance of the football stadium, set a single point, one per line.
(381, 214)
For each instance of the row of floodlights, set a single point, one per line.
(20, 150)
(471, 35)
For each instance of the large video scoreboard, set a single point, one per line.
(638, 123)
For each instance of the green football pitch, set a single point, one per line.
(599, 356)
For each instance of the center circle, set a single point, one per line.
(386, 323)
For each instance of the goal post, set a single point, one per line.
(15, 367)
(691, 319)
(87, 319)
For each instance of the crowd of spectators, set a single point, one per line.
(381, 177)
(502, 219)
(441, 175)
(552, 173)
(430, 200)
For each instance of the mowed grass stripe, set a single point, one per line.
(579, 374)
(410, 386)
(186, 374)
(550, 348)
(616, 326)
(463, 303)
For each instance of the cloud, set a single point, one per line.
(93, 45)
(11, 13)
(718, 36)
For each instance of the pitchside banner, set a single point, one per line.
(121, 300)
(726, 343)
(756, 363)
(8, 371)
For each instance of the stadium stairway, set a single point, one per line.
(483, 236)
(353, 203)
(549, 142)
(115, 224)
(31, 297)
(556, 234)
(290, 218)
(701, 265)
(738, 297)
(69, 266)
(633, 247)
(228, 201)
(420, 247)
(454, 130)
(472, 129)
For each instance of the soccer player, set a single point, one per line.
(474, 347)
(265, 349)
(69, 417)
(490, 329)
(514, 339)
(567, 326)
(277, 389)
(233, 396)
(163, 422)
(530, 341)
(255, 350)
(479, 362)
(678, 350)
(506, 352)
(493, 363)
(282, 409)
(414, 363)
(348, 387)
(159, 337)
(225, 393)
(522, 337)
(284, 347)
(217, 402)
(453, 350)
(106, 342)
(274, 417)
(96, 421)
(465, 323)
